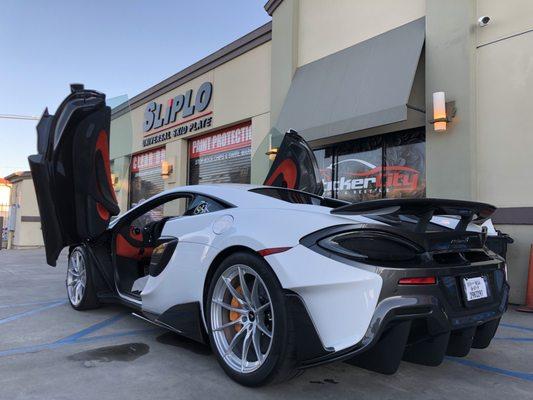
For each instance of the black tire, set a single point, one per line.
(279, 365)
(89, 299)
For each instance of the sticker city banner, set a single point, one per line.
(385, 171)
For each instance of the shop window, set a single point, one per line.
(145, 176)
(405, 165)
(390, 165)
(324, 158)
(221, 157)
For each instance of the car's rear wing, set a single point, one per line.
(423, 209)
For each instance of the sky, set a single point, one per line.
(119, 47)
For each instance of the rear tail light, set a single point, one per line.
(371, 245)
(426, 280)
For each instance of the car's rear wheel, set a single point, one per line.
(80, 287)
(249, 326)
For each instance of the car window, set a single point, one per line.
(203, 205)
(185, 205)
(171, 208)
(298, 197)
(291, 196)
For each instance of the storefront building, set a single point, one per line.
(201, 124)
(356, 79)
(23, 225)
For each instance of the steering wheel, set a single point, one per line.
(152, 231)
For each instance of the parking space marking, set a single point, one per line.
(515, 339)
(92, 328)
(57, 344)
(35, 303)
(80, 336)
(515, 374)
(14, 317)
(519, 327)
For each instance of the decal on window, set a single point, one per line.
(390, 165)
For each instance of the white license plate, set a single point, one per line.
(475, 288)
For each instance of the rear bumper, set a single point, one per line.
(420, 324)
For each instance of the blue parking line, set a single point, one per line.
(519, 327)
(55, 345)
(35, 303)
(515, 339)
(117, 335)
(14, 317)
(92, 329)
(515, 374)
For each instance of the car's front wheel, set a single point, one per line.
(80, 287)
(249, 326)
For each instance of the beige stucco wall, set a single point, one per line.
(27, 234)
(450, 61)
(518, 259)
(504, 118)
(485, 154)
(284, 59)
(326, 27)
(121, 138)
(241, 91)
(120, 170)
(260, 145)
(508, 17)
(504, 106)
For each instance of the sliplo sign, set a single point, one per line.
(184, 113)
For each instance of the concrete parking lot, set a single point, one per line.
(50, 351)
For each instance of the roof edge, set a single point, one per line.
(234, 49)
(271, 5)
(18, 176)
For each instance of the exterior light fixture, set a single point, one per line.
(115, 181)
(442, 112)
(166, 169)
(271, 153)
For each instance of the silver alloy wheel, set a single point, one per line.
(76, 277)
(242, 317)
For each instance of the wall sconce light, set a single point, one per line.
(442, 112)
(271, 153)
(166, 169)
(115, 181)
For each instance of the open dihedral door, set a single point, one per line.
(71, 171)
(295, 166)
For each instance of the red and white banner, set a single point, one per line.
(231, 138)
(148, 159)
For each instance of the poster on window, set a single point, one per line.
(145, 176)
(221, 157)
(384, 166)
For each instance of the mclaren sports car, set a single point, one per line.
(276, 278)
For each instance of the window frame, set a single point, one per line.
(150, 204)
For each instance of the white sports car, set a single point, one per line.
(274, 279)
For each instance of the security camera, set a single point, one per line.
(483, 21)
